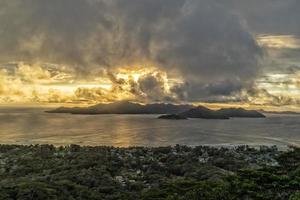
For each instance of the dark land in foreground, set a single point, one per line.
(172, 173)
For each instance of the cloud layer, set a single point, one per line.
(171, 50)
(201, 42)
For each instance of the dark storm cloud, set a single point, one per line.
(266, 98)
(293, 69)
(210, 92)
(202, 41)
(153, 86)
(224, 88)
(278, 17)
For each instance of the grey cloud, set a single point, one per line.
(293, 69)
(211, 92)
(269, 99)
(268, 16)
(224, 88)
(152, 86)
(202, 41)
(280, 60)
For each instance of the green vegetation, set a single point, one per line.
(171, 173)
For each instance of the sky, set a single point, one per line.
(233, 52)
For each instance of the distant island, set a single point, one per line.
(205, 113)
(240, 112)
(173, 111)
(280, 112)
(125, 107)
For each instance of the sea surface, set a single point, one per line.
(34, 126)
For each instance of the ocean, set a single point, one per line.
(34, 126)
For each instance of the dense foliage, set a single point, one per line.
(172, 173)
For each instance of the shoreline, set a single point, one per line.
(221, 145)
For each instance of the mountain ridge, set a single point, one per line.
(184, 110)
(125, 107)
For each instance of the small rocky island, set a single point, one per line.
(172, 117)
(240, 112)
(205, 113)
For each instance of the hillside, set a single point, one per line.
(125, 107)
(42, 172)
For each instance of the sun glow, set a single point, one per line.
(44, 83)
(47, 83)
(134, 73)
(279, 41)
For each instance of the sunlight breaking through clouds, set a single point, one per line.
(34, 83)
(46, 83)
(170, 51)
(279, 41)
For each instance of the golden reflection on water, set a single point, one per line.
(33, 126)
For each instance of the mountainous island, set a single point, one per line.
(173, 111)
(125, 107)
(204, 113)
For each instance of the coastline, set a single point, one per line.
(217, 146)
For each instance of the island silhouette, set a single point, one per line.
(170, 111)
